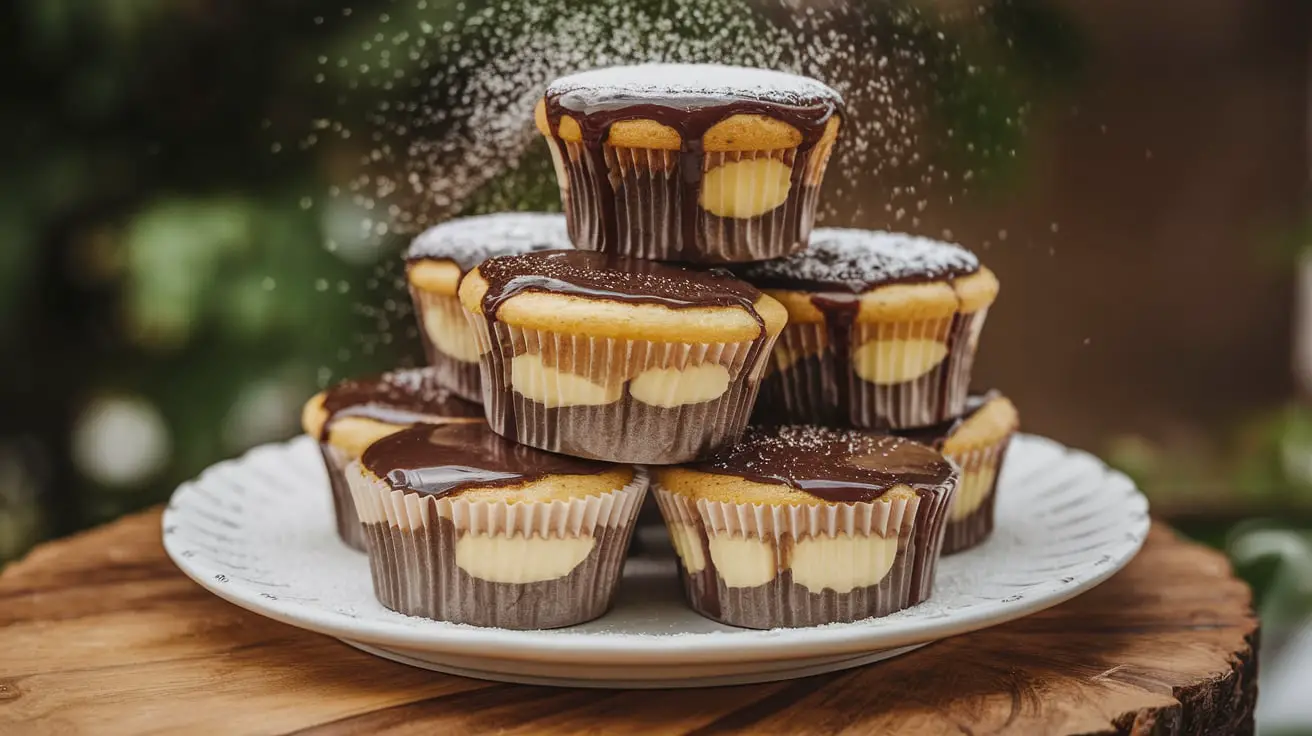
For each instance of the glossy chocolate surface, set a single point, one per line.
(468, 241)
(853, 261)
(594, 275)
(450, 458)
(399, 397)
(839, 466)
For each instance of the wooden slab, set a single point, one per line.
(100, 634)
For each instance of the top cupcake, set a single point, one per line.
(695, 162)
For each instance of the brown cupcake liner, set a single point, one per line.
(807, 383)
(448, 346)
(777, 566)
(639, 199)
(614, 399)
(348, 522)
(531, 565)
(970, 520)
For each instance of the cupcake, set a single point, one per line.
(350, 416)
(882, 330)
(690, 162)
(617, 359)
(977, 442)
(805, 525)
(434, 264)
(468, 527)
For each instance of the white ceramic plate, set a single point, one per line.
(258, 531)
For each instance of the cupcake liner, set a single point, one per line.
(622, 398)
(970, 520)
(639, 199)
(348, 522)
(440, 312)
(809, 385)
(764, 566)
(529, 565)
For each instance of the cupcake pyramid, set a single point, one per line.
(683, 280)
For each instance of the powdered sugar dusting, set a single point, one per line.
(471, 240)
(689, 83)
(858, 260)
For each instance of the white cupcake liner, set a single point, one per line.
(640, 196)
(631, 422)
(335, 461)
(805, 387)
(504, 578)
(970, 520)
(770, 592)
(450, 372)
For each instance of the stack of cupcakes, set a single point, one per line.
(637, 331)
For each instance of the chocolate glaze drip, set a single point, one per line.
(450, 458)
(399, 397)
(839, 466)
(854, 261)
(936, 435)
(691, 111)
(609, 277)
(468, 241)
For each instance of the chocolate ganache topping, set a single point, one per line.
(468, 241)
(853, 261)
(442, 460)
(399, 397)
(595, 275)
(690, 99)
(835, 465)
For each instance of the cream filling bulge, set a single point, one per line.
(687, 543)
(449, 332)
(743, 562)
(671, 387)
(554, 388)
(888, 362)
(972, 490)
(842, 563)
(745, 188)
(520, 560)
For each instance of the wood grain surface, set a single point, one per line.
(100, 634)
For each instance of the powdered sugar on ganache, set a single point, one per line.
(859, 260)
(838, 465)
(399, 397)
(688, 85)
(468, 241)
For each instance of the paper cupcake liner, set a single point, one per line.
(808, 384)
(535, 565)
(775, 566)
(435, 312)
(348, 522)
(610, 399)
(970, 520)
(640, 200)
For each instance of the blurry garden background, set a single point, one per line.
(202, 204)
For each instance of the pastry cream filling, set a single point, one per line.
(972, 490)
(743, 562)
(843, 563)
(558, 162)
(746, 188)
(887, 362)
(671, 387)
(554, 388)
(520, 559)
(450, 333)
(688, 545)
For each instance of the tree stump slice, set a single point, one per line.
(101, 634)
